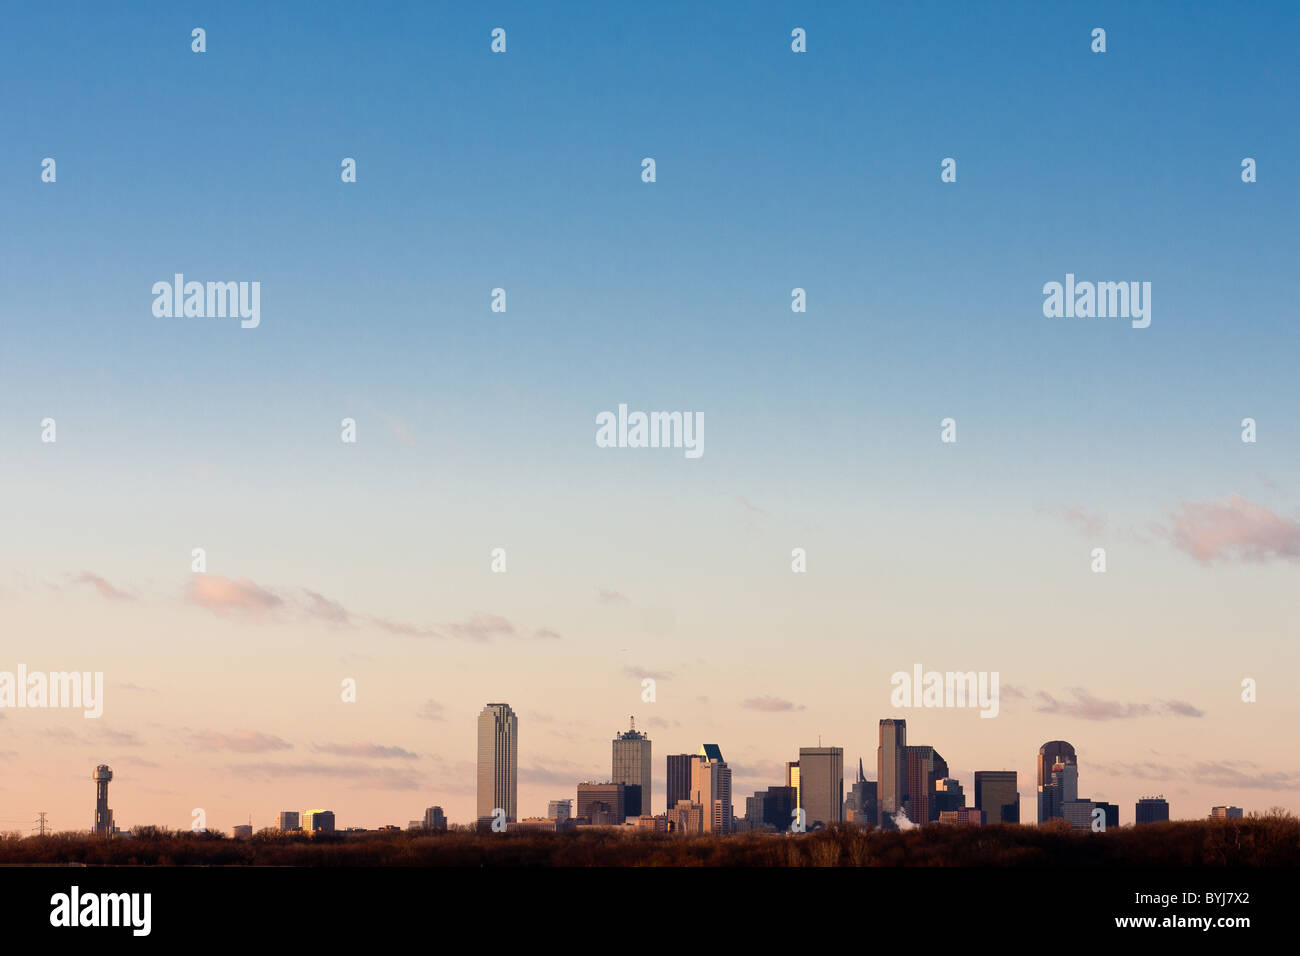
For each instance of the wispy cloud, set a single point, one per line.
(1232, 529)
(365, 751)
(633, 670)
(1233, 774)
(241, 741)
(105, 589)
(1083, 521)
(608, 596)
(222, 595)
(361, 777)
(752, 508)
(430, 710)
(1087, 707)
(770, 705)
(225, 596)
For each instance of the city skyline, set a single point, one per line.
(921, 767)
(284, 618)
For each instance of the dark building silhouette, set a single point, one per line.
(948, 795)
(924, 768)
(679, 778)
(997, 795)
(778, 807)
(435, 819)
(1151, 810)
(861, 801)
(1112, 813)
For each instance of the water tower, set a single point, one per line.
(103, 815)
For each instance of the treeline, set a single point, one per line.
(1271, 839)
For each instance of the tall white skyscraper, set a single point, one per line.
(891, 770)
(711, 788)
(498, 762)
(631, 767)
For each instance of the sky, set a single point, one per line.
(329, 561)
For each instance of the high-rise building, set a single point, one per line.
(559, 810)
(1078, 813)
(925, 768)
(1151, 810)
(498, 762)
(948, 795)
(778, 807)
(242, 831)
(318, 821)
(631, 766)
(792, 780)
(1061, 788)
(711, 788)
(435, 819)
(602, 803)
(891, 770)
(287, 820)
(685, 817)
(821, 784)
(1111, 811)
(860, 805)
(679, 778)
(996, 793)
(1226, 813)
(102, 776)
(1049, 755)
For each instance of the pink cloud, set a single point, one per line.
(220, 594)
(103, 587)
(1234, 528)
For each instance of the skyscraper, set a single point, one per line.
(287, 820)
(1049, 755)
(821, 784)
(103, 775)
(891, 770)
(860, 807)
(1151, 810)
(498, 762)
(602, 803)
(435, 819)
(925, 768)
(1053, 755)
(631, 766)
(711, 788)
(1062, 788)
(997, 795)
(679, 778)
(792, 779)
(1225, 813)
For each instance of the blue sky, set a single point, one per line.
(775, 170)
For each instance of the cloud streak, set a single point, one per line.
(1233, 529)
